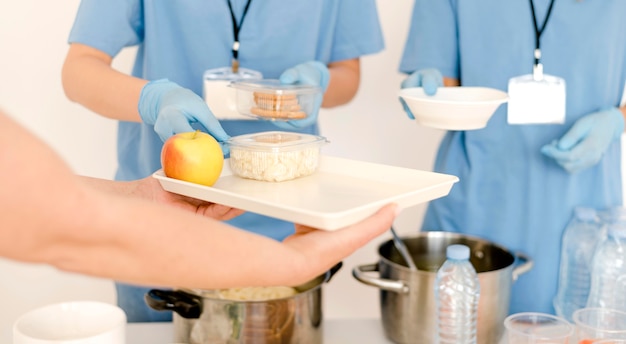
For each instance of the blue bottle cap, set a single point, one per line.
(617, 230)
(586, 214)
(458, 252)
(615, 220)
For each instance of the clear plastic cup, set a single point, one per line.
(222, 99)
(594, 324)
(532, 328)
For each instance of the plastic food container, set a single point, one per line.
(275, 156)
(220, 98)
(270, 100)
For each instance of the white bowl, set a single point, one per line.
(77, 322)
(454, 108)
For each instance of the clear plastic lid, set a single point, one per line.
(226, 73)
(273, 86)
(276, 141)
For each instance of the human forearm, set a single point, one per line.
(344, 82)
(175, 248)
(89, 79)
(58, 220)
(168, 247)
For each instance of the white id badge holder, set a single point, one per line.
(536, 99)
(222, 99)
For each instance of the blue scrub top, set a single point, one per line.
(508, 192)
(181, 39)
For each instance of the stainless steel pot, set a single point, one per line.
(407, 298)
(201, 317)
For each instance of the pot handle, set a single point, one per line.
(359, 273)
(187, 305)
(523, 264)
(330, 273)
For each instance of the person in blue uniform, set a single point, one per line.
(309, 42)
(519, 183)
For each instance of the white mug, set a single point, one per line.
(76, 322)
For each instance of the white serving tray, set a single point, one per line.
(342, 192)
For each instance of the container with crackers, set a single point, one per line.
(270, 100)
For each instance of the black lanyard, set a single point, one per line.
(539, 31)
(236, 29)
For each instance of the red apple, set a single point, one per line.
(195, 157)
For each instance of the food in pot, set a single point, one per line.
(256, 293)
(201, 316)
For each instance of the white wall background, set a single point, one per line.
(33, 38)
(32, 48)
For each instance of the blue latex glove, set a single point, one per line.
(429, 79)
(171, 109)
(585, 143)
(309, 73)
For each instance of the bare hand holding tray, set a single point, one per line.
(342, 192)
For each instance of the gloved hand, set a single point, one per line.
(429, 79)
(585, 143)
(171, 109)
(309, 73)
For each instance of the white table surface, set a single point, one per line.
(336, 331)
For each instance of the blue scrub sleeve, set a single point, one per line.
(358, 30)
(432, 39)
(108, 25)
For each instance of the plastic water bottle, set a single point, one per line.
(578, 243)
(608, 266)
(457, 291)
